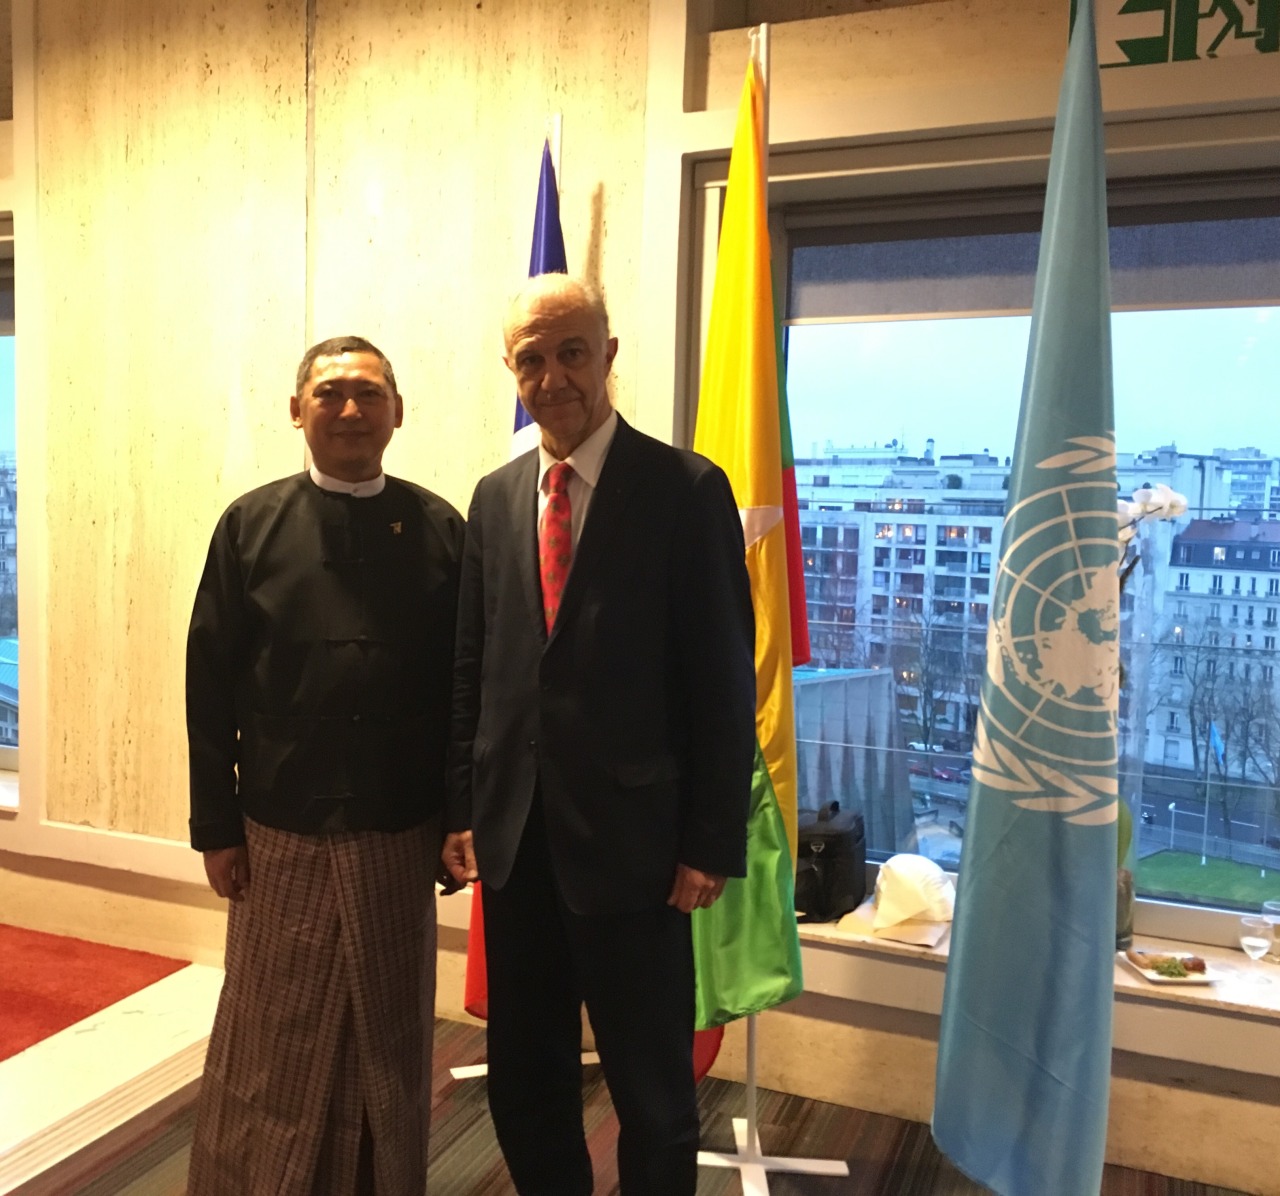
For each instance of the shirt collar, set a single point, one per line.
(365, 489)
(587, 459)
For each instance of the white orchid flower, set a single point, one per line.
(1143, 497)
(1176, 505)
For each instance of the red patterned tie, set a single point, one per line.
(555, 541)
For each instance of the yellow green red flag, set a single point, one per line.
(746, 945)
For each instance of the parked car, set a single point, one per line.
(918, 768)
(945, 772)
(917, 745)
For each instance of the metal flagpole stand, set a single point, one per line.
(754, 1166)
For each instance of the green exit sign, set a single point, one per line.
(1142, 32)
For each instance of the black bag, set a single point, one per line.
(831, 863)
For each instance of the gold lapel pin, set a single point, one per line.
(395, 528)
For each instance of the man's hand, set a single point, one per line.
(458, 858)
(694, 890)
(228, 871)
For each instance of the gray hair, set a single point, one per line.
(336, 345)
(558, 286)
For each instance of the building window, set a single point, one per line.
(857, 286)
(1173, 723)
(884, 531)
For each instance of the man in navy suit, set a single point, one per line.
(603, 744)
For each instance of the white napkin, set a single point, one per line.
(911, 888)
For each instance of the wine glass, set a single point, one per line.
(1255, 941)
(1271, 912)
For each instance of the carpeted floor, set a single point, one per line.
(50, 981)
(886, 1157)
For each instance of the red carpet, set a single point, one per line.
(49, 982)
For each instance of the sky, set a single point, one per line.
(6, 394)
(1202, 379)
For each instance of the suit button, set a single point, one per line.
(355, 718)
(533, 743)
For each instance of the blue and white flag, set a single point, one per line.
(546, 256)
(1024, 1057)
(1219, 750)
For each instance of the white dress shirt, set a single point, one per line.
(355, 489)
(587, 461)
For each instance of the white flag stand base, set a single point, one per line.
(754, 1166)
(475, 1070)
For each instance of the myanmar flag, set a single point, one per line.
(746, 945)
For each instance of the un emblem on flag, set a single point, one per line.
(1047, 727)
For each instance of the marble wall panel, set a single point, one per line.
(877, 56)
(171, 241)
(430, 121)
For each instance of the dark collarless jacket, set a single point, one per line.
(636, 715)
(319, 662)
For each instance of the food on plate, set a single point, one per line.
(1166, 964)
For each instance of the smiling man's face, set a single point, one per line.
(347, 411)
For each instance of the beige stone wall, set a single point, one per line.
(171, 217)
(183, 259)
(429, 129)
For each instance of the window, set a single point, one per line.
(884, 531)
(821, 479)
(1186, 288)
(8, 509)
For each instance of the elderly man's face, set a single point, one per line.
(558, 352)
(347, 412)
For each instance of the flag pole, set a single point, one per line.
(748, 1159)
(555, 136)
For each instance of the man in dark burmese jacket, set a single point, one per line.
(603, 738)
(319, 670)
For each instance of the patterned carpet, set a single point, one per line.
(886, 1157)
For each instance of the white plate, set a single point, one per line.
(1156, 978)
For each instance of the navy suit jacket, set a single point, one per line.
(636, 715)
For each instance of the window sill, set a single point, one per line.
(8, 791)
(1232, 1023)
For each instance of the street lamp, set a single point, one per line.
(1173, 810)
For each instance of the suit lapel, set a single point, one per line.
(523, 498)
(617, 481)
